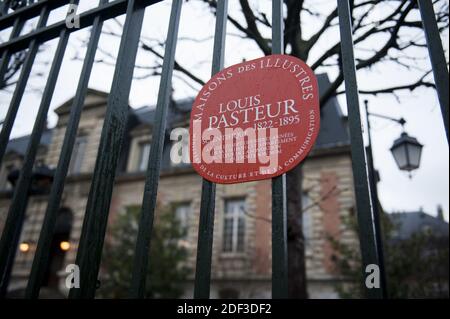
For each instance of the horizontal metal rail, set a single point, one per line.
(105, 12)
(29, 12)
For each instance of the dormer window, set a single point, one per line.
(78, 152)
(144, 153)
(139, 150)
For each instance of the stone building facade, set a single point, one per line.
(242, 236)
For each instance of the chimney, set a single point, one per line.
(440, 212)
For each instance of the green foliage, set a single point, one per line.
(167, 272)
(347, 261)
(417, 267)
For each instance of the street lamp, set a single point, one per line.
(24, 247)
(64, 245)
(407, 152)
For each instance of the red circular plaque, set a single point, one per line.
(254, 120)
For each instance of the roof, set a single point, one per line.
(19, 145)
(410, 223)
(100, 99)
(333, 128)
(178, 111)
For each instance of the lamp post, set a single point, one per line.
(376, 211)
(406, 151)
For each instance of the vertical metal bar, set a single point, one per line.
(11, 233)
(220, 33)
(279, 200)
(376, 207)
(279, 238)
(4, 7)
(140, 264)
(207, 207)
(277, 27)
(437, 56)
(360, 178)
(17, 28)
(97, 210)
(41, 256)
(20, 86)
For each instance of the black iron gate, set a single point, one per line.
(15, 13)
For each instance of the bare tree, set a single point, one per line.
(15, 61)
(11, 74)
(392, 28)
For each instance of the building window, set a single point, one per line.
(144, 153)
(182, 212)
(234, 226)
(79, 150)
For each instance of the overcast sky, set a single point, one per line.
(429, 185)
